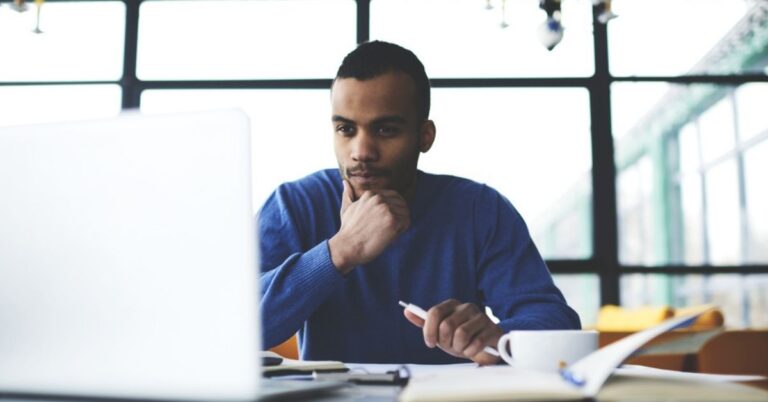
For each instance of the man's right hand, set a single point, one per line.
(368, 225)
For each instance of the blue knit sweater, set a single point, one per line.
(466, 242)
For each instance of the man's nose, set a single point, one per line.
(364, 148)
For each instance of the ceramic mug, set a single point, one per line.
(546, 350)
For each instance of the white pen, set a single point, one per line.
(419, 312)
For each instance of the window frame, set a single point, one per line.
(604, 261)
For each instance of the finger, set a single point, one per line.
(413, 318)
(472, 336)
(435, 316)
(347, 197)
(485, 359)
(451, 327)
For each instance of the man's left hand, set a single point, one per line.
(460, 329)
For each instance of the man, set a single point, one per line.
(340, 248)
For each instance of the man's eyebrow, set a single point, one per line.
(337, 118)
(390, 119)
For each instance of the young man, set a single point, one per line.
(340, 248)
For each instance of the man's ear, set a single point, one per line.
(427, 135)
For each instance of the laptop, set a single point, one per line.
(127, 260)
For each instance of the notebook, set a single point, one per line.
(594, 376)
(127, 259)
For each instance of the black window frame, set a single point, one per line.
(604, 261)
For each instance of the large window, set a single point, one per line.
(636, 151)
(232, 39)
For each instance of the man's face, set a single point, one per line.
(378, 132)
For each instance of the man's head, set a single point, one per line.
(380, 108)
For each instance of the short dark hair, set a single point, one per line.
(372, 59)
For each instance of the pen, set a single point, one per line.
(419, 312)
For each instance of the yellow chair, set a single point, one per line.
(618, 319)
(288, 349)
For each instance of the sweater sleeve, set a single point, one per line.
(512, 276)
(295, 278)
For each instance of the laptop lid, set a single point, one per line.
(127, 264)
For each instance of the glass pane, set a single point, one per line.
(693, 220)
(723, 214)
(632, 102)
(582, 292)
(751, 101)
(636, 210)
(689, 149)
(687, 194)
(51, 103)
(510, 143)
(672, 37)
(755, 168)
(743, 299)
(80, 41)
(716, 129)
(461, 38)
(262, 39)
(275, 129)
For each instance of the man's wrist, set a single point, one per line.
(339, 256)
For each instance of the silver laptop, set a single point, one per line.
(127, 259)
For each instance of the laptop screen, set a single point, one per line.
(127, 264)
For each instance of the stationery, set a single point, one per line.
(586, 378)
(290, 366)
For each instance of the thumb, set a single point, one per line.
(347, 197)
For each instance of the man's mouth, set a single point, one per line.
(367, 173)
(367, 177)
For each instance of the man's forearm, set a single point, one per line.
(292, 291)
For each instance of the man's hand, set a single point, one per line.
(461, 330)
(368, 225)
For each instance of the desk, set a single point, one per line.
(618, 388)
(355, 393)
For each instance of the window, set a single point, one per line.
(81, 41)
(462, 38)
(742, 298)
(755, 168)
(686, 121)
(682, 187)
(750, 102)
(663, 37)
(510, 143)
(284, 147)
(582, 294)
(228, 39)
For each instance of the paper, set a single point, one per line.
(494, 383)
(636, 371)
(592, 370)
(680, 343)
(584, 379)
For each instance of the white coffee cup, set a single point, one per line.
(546, 350)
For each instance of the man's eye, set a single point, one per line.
(388, 131)
(345, 129)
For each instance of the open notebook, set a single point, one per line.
(585, 378)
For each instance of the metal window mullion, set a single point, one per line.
(604, 211)
(129, 81)
(363, 21)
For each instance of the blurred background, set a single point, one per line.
(635, 148)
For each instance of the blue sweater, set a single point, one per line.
(466, 242)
